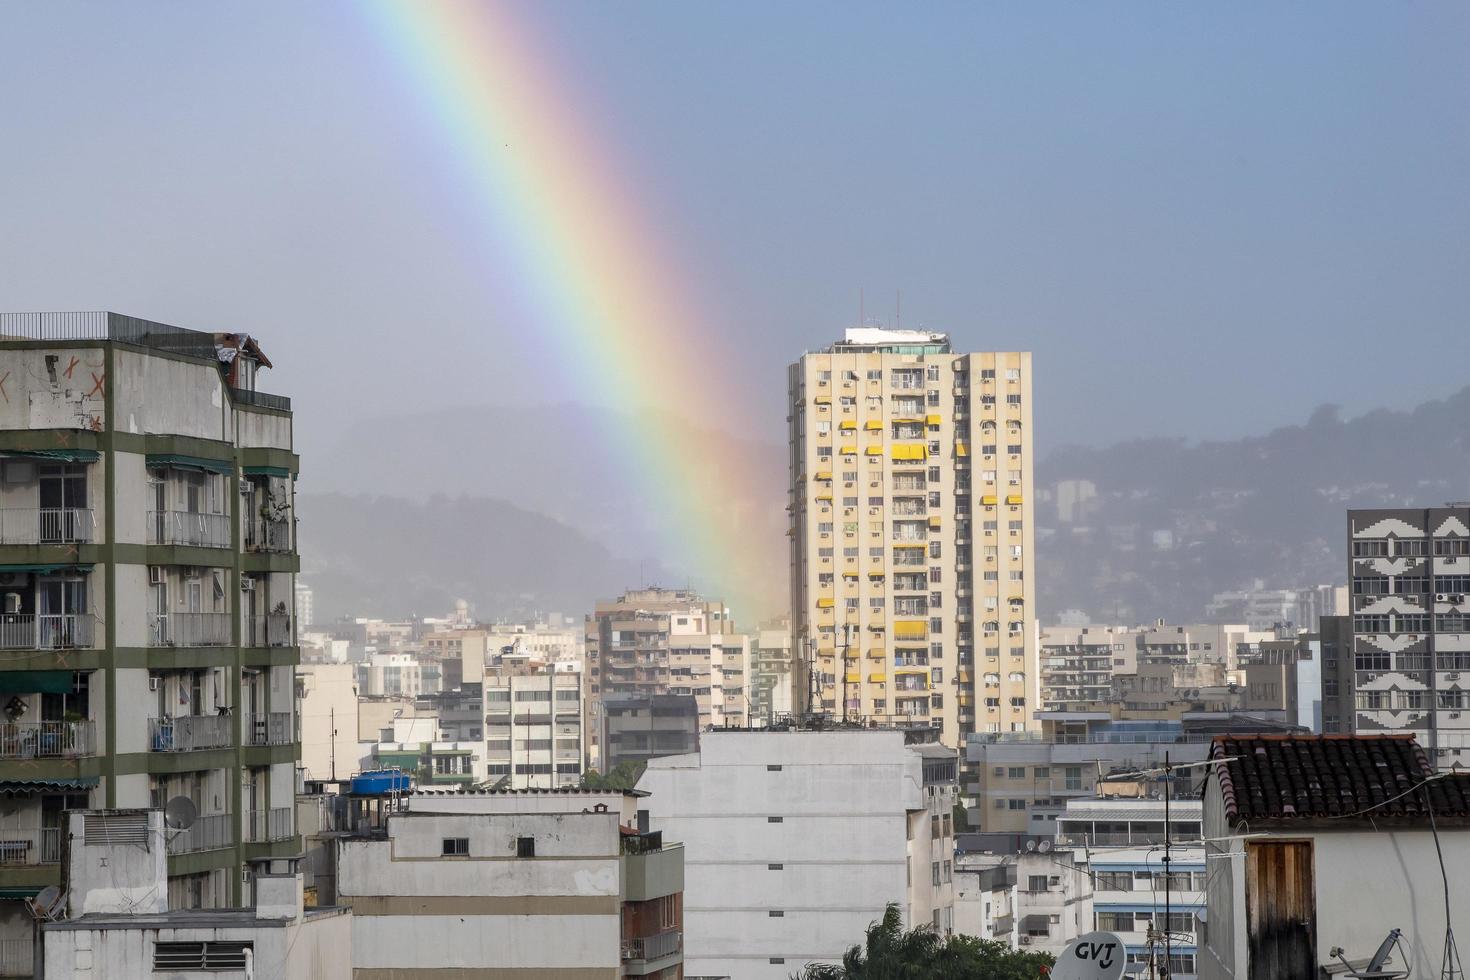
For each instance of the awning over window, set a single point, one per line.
(56, 455)
(873, 425)
(819, 475)
(875, 450)
(42, 569)
(848, 450)
(25, 787)
(910, 629)
(847, 425)
(877, 678)
(962, 449)
(988, 500)
(280, 471)
(35, 682)
(909, 452)
(932, 419)
(1013, 499)
(178, 462)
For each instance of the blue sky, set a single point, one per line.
(1203, 219)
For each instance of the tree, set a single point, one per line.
(892, 953)
(624, 775)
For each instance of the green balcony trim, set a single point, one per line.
(22, 440)
(49, 557)
(270, 656)
(265, 850)
(224, 467)
(268, 561)
(28, 876)
(197, 862)
(164, 445)
(188, 658)
(173, 554)
(257, 459)
(171, 763)
(21, 770)
(270, 755)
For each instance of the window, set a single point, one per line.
(776, 914)
(1370, 549)
(1452, 546)
(1072, 776)
(455, 847)
(1017, 772)
(1036, 883)
(1370, 624)
(525, 847)
(775, 819)
(775, 867)
(170, 957)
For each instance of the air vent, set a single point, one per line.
(115, 828)
(200, 956)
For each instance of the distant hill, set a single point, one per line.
(1173, 523)
(392, 557)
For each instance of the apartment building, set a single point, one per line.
(667, 641)
(147, 560)
(529, 884)
(326, 703)
(535, 718)
(777, 678)
(638, 729)
(912, 539)
(799, 839)
(1409, 572)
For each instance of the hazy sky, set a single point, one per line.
(1204, 219)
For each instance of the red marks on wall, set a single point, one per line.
(99, 384)
(3, 393)
(71, 367)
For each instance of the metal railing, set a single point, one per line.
(46, 632)
(269, 729)
(268, 631)
(189, 629)
(271, 536)
(260, 399)
(17, 957)
(186, 733)
(47, 739)
(207, 833)
(653, 947)
(643, 843)
(30, 845)
(266, 825)
(46, 525)
(188, 528)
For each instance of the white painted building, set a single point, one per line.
(797, 840)
(532, 884)
(534, 723)
(115, 921)
(326, 697)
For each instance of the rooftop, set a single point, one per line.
(1310, 777)
(900, 341)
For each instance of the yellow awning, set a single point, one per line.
(910, 629)
(934, 521)
(825, 496)
(876, 574)
(826, 651)
(852, 575)
(874, 424)
(908, 547)
(988, 500)
(822, 400)
(875, 450)
(823, 475)
(847, 425)
(912, 670)
(932, 419)
(909, 452)
(877, 678)
(854, 678)
(848, 450)
(825, 603)
(876, 652)
(962, 449)
(1014, 498)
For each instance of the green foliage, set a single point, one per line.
(624, 775)
(891, 953)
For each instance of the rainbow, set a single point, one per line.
(606, 298)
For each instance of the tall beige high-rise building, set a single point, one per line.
(912, 568)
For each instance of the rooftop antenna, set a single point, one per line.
(862, 309)
(898, 312)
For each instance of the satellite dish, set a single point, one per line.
(1095, 956)
(180, 813)
(1044, 847)
(1031, 845)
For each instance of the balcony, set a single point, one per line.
(47, 740)
(46, 525)
(67, 631)
(30, 846)
(269, 729)
(268, 536)
(651, 869)
(207, 833)
(189, 629)
(180, 527)
(17, 957)
(644, 948)
(268, 825)
(187, 733)
(268, 631)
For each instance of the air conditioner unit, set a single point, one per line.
(155, 574)
(1454, 714)
(1024, 940)
(12, 603)
(247, 584)
(1442, 597)
(154, 683)
(12, 579)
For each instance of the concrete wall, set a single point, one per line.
(162, 395)
(35, 402)
(329, 698)
(263, 429)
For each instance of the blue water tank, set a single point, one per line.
(379, 783)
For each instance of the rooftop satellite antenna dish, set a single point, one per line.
(1044, 847)
(47, 905)
(1030, 845)
(180, 813)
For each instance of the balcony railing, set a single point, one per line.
(17, 957)
(653, 947)
(30, 845)
(207, 833)
(643, 843)
(188, 528)
(267, 825)
(46, 632)
(267, 631)
(269, 729)
(47, 739)
(189, 629)
(46, 525)
(272, 536)
(189, 732)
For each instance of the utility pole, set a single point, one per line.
(1168, 839)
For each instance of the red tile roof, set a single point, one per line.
(1327, 777)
